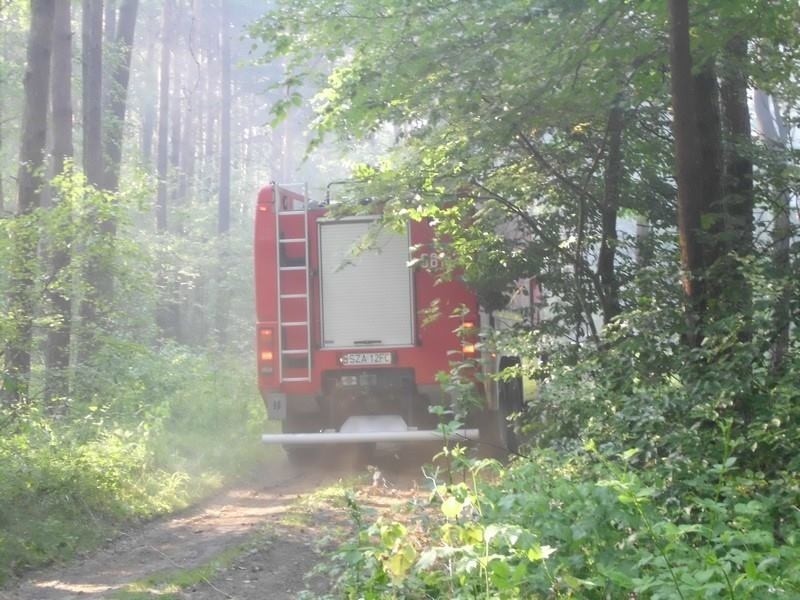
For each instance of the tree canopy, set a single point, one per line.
(557, 114)
(608, 150)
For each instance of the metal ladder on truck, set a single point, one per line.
(294, 305)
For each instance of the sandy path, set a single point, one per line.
(273, 568)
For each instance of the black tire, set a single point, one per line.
(301, 456)
(351, 456)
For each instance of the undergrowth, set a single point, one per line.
(174, 426)
(585, 525)
(653, 471)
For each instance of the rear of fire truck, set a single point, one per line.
(345, 351)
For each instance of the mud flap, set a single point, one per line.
(276, 406)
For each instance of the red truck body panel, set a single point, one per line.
(435, 340)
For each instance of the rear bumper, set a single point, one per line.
(374, 437)
(370, 429)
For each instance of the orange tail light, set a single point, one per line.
(266, 351)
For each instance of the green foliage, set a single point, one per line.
(656, 469)
(501, 112)
(175, 426)
(644, 479)
(582, 525)
(140, 420)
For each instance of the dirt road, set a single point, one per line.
(254, 541)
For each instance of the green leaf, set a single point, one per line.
(538, 553)
(400, 562)
(629, 454)
(575, 583)
(451, 507)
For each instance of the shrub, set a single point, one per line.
(176, 425)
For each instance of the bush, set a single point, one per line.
(175, 426)
(655, 470)
(583, 525)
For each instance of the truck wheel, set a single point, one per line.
(354, 456)
(300, 456)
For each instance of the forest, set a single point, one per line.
(645, 152)
(133, 139)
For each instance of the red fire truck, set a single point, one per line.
(345, 351)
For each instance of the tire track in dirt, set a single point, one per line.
(195, 537)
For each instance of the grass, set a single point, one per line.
(180, 429)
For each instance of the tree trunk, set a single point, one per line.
(165, 308)
(610, 206)
(185, 138)
(93, 91)
(163, 120)
(224, 212)
(56, 353)
(2, 189)
(30, 181)
(737, 174)
(224, 202)
(110, 22)
(103, 150)
(148, 111)
(176, 122)
(688, 173)
(712, 216)
(735, 295)
(188, 148)
(199, 91)
(118, 94)
(279, 158)
(61, 87)
(92, 109)
(212, 64)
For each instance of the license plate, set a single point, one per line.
(354, 359)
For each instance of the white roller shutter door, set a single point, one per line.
(366, 296)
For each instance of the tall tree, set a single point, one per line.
(176, 123)
(707, 133)
(92, 104)
(56, 353)
(610, 206)
(224, 212)
(110, 21)
(163, 118)
(118, 93)
(29, 186)
(61, 87)
(96, 292)
(224, 199)
(148, 111)
(687, 158)
(738, 193)
(211, 41)
(166, 315)
(2, 188)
